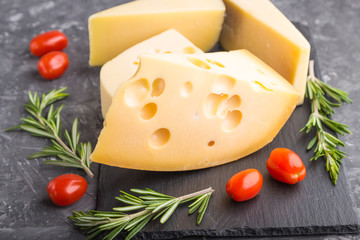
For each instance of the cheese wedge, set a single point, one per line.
(258, 26)
(116, 29)
(124, 66)
(184, 112)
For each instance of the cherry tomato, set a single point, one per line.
(47, 42)
(66, 189)
(53, 64)
(244, 185)
(286, 166)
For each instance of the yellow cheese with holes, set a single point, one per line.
(184, 112)
(116, 29)
(257, 25)
(124, 66)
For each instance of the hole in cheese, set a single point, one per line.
(136, 92)
(211, 143)
(186, 89)
(189, 50)
(233, 102)
(260, 71)
(213, 102)
(231, 121)
(223, 84)
(148, 111)
(230, 104)
(199, 63)
(159, 138)
(158, 87)
(215, 63)
(262, 86)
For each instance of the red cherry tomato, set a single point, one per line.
(286, 166)
(47, 42)
(66, 189)
(53, 64)
(244, 185)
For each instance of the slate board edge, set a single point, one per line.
(254, 232)
(251, 232)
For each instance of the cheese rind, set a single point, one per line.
(261, 28)
(184, 112)
(124, 66)
(116, 29)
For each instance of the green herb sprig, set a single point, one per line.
(321, 109)
(69, 154)
(150, 205)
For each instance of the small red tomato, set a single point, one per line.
(53, 64)
(47, 42)
(244, 185)
(286, 166)
(66, 189)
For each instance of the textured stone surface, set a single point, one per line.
(307, 208)
(333, 26)
(25, 211)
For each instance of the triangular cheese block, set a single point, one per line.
(114, 30)
(183, 112)
(258, 26)
(123, 67)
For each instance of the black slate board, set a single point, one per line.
(311, 207)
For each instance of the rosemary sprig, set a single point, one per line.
(322, 108)
(149, 205)
(71, 154)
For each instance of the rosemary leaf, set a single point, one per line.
(94, 234)
(197, 201)
(68, 155)
(35, 131)
(161, 205)
(154, 198)
(87, 154)
(68, 140)
(161, 213)
(324, 143)
(203, 204)
(136, 221)
(193, 208)
(126, 200)
(170, 211)
(61, 163)
(44, 153)
(90, 219)
(118, 221)
(131, 197)
(149, 192)
(67, 159)
(128, 208)
(111, 225)
(74, 134)
(191, 199)
(114, 232)
(31, 121)
(202, 209)
(138, 228)
(109, 214)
